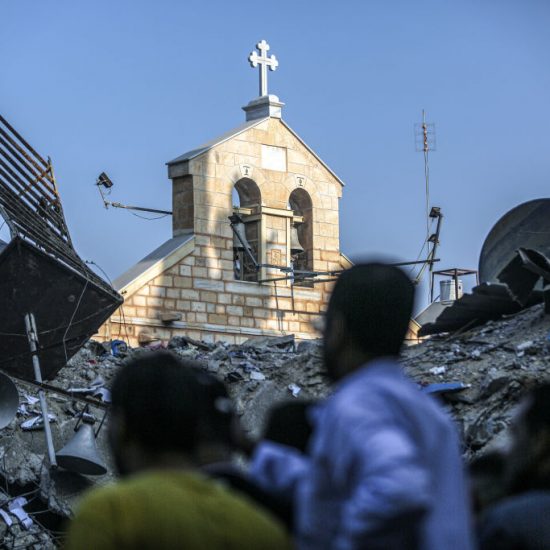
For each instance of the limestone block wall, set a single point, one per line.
(213, 306)
(216, 172)
(201, 288)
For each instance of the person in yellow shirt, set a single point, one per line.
(157, 436)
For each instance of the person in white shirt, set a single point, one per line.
(383, 468)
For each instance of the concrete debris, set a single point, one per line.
(16, 508)
(37, 422)
(438, 370)
(498, 362)
(479, 375)
(294, 390)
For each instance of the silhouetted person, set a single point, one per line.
(159, 439)
(220, 426)
(522, 521)
(288, 423)
(384, 468)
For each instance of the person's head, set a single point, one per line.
(218, 419)
(288, 424)
(367, 316)
(528, 465)
(162, 412)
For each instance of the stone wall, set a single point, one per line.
(213, 306)
(201, 288)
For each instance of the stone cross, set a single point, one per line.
(264, 62)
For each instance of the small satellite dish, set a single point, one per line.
(526, 226)
(9, 400)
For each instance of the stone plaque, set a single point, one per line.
(274, 158)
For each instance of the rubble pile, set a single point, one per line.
(497, 363)
(492, 366)
(261, 372)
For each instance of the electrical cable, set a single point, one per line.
(72, 318)
(40, 349)
(148, 219)
(61, 327)
(121, 305)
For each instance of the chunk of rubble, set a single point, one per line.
(489, 376)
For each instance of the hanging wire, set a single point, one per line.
(60, 327)
(72, 317)
(413, 267)
(148, 219)
(124, 324)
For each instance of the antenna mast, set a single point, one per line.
(425, 142)
(426, 148)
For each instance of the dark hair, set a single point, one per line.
(288, 424)
(490, 464)
(376, 302)
(217, 411)
(164, 401)
(537, 415)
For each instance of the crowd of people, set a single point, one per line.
(377, 465)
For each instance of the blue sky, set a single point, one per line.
(126, 85)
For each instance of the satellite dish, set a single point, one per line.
(9, 400)
(526, 226)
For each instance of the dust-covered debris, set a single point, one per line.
(498, 361)
(494, 364)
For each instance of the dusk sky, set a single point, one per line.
(125, 86)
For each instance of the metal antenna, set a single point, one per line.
(426, 148)
(425, 142)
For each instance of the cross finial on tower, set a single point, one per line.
(264, 62)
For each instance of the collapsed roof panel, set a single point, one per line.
(525, 226)
(29, 200)
(489, 301)
(486, 302)
(40, 271)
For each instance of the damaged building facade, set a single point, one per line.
(255, 213)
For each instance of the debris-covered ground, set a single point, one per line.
(499, 361)
(496, 363)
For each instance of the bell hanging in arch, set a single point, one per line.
(295, 246)
(240, 241)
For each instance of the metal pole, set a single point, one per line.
(32, 335)
(434, 251)
(139, 208)
(306, 275)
